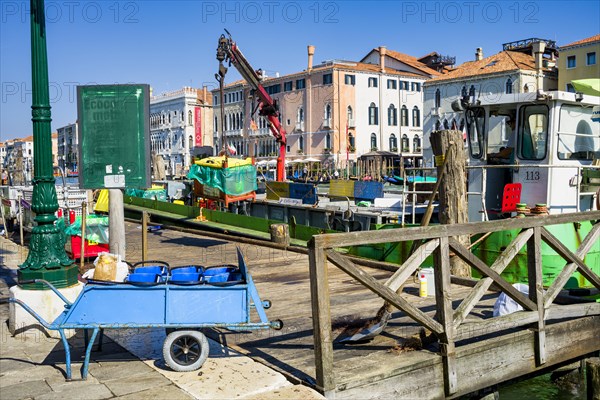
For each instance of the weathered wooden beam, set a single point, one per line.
(411, 264)
(321, 312)
(476, 263)
(383, 291)
(560, 281)
(333, 240)
(470, 330)
(568, 255)
(572, 311)
(483, 285)
(443, 302)
(488, 326)
(536, 292)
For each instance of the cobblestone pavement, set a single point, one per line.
(130, 365)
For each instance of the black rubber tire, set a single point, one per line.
(185, 350)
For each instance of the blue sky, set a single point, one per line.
(171, 44)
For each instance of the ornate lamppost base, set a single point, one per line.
(60, 277)
(47, 259)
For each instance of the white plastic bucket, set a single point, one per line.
(428, 272)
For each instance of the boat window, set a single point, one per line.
(533, 132)
(475, 127)
(500, 132)
(578, 135)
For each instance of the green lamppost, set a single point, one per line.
(47, 258)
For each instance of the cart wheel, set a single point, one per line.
(185, 351)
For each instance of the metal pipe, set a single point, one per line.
(20, 219)
(82, 255)
(144, 235)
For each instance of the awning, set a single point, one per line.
(587, 86)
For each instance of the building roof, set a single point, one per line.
(505, 61)
(55, 135)
(408, 60)
(591, 39)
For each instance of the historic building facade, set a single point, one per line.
(180, 127)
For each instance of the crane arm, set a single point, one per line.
(229, 52)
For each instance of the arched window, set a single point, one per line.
(301, 144)
(350, 114)
(472, 91)
(328, 111)
(237, 121)
(446, 125)
(438, 98)
(169, 117)
(508, 86)
(393, 143)
(416, 116)
(404, 116)
(525, 88)
(163, 118)
(405, 144)
(190, 142)
(373, 115)
(463, 91)
(373, 141)
(351, 142)
(438, 125)
(182, 116)
(392, 115)
(416, 144)
(300, 116)
(328, 141)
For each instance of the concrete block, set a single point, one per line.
(44, 302)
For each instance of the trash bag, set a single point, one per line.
(506, 305)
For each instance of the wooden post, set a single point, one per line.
(82, 254)
(20, 220)
(321, 316)
(592, 366)
(144, 235)
(444, 314)
(280, 233)
(536, 292)
(116, 222)
(453, 188)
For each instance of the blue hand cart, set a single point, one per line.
(182, 303)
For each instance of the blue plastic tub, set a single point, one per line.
(219, 270)
(151, 269)
(185, 278)
(223, 277)
(191, 269)
(143, 277)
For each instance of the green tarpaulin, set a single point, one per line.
(96, 228)
(231, 181)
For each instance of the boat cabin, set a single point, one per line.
(547, 142)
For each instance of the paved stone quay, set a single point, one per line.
(130, 366)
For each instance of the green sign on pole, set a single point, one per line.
(114, 136)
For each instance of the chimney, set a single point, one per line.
(538, 54)
(382, 53)
(205, 93)
(479, 54)
(311, 53)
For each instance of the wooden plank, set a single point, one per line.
(536, 292)
(572, 311)
(383, 291)
(333, 240)
(483, 285)
(568, 270)
(321, 312)
(411, 264)
(475, 262)
(443, 302)
(489, 326)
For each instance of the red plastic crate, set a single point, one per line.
(91, 250)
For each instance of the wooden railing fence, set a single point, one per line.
(448, 324)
